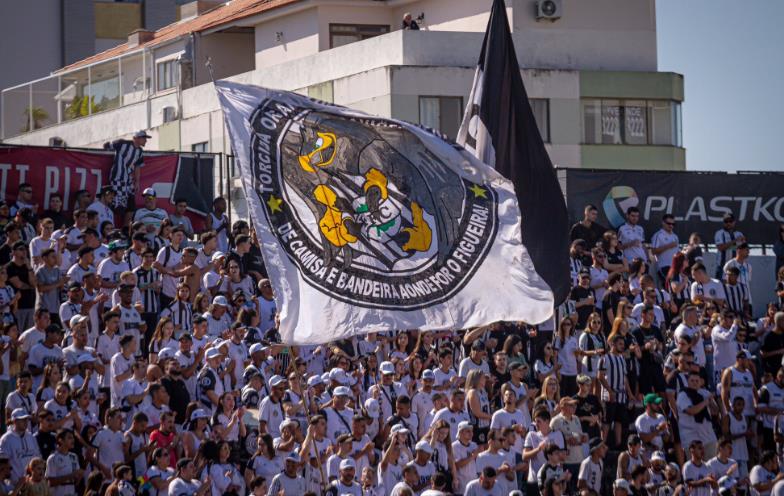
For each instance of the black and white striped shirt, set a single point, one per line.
(737, 295)
(614, 368)
(127, 158)
(685, 293)
(150, 298)
(181, 313)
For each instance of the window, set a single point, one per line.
(442, 113)
(631, 122)
(541, 109)
(167, 75)
(343, 34)
(203, 147)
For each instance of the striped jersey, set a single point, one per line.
(127, 158)
(614, 368)
(150, 297)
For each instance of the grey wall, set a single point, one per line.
(158, 13)
(78, 24)
(30, 45)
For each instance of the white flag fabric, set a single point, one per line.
(370, 224)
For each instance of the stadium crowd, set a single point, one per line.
(140, 356)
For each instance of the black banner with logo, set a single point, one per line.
(697, 200)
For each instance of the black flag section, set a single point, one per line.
(500, 129)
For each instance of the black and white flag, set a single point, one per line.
(371, 224)
(500, 130)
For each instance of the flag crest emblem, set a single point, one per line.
(366, 212)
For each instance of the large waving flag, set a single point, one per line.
(372, 224)
(500, 130)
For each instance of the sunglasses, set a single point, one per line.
(670, 223)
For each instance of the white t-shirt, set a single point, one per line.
(591, 473)
(647, 424)
(468, 471)
(452, 418)
(59, 465)
(110, 446)
(712, 289)
(760, 475)
(662, 238)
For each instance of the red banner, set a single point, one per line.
(53, 170)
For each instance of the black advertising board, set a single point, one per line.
(698, 200)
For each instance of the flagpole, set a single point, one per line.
(307, 415)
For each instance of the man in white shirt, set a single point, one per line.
(664, 245)
(103, 206)
(150, 215)
(62, 466)
(18, 444)
(271, 407)
(651, 425)
(475, 360)
(454, 413)
(696, 474)
(389, 390)
(485, 485)
(289, 481)
(631, 236)
(339, 416)
(109, 443)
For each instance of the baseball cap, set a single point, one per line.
(478, 346)
(424, 446)
(74, 285)
(220, 300)
(117, 244)
(293, 457)
(20, 414)
(338, 375)
(141, 134)
(186, 336)
(315, 381)
(255, 347)
(658, 456)
(594, 443)
(276, 380)
(85, 358)
(215, 256)
(744, 354)
(199, 413)
(464, 425)
(347, 464)
(166, 354)
(288, 423)
(78, 319)
(399, 428)
(212, 353)
(372, 408)
(652, 398)
(149, 192)
(341, 391)
(428, 375)
(387, 368)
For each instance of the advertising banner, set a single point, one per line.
(697, 200)
(64, 171)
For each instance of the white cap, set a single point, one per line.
(622, 484)
(658, 456)
(220, 300)
(215, 256)
(465, 424)
(293, 457)
(149, 192)
(372, 408)
(20, 414)
(78, 319)
(166, 353)
(428, 375)
(398, 428)
(212, 353)
(85, 358)
(199, 413)
(424, 446)
(387, 368)
(255, 347)
(288, 423)
(727, 482)
(338, 375)
(276, 380)
(341, 391)
(347, 464)
(315, 381)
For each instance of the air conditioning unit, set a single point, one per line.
(57, 141)
(169, 114)
(549, 10)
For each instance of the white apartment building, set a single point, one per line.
(590, 70)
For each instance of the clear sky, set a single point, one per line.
(731, 54)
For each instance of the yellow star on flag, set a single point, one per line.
(478, 191)
(274, 204)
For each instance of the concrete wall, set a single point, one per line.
(591, 35)
(300, 38)
(230, 53)
(78, 17)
